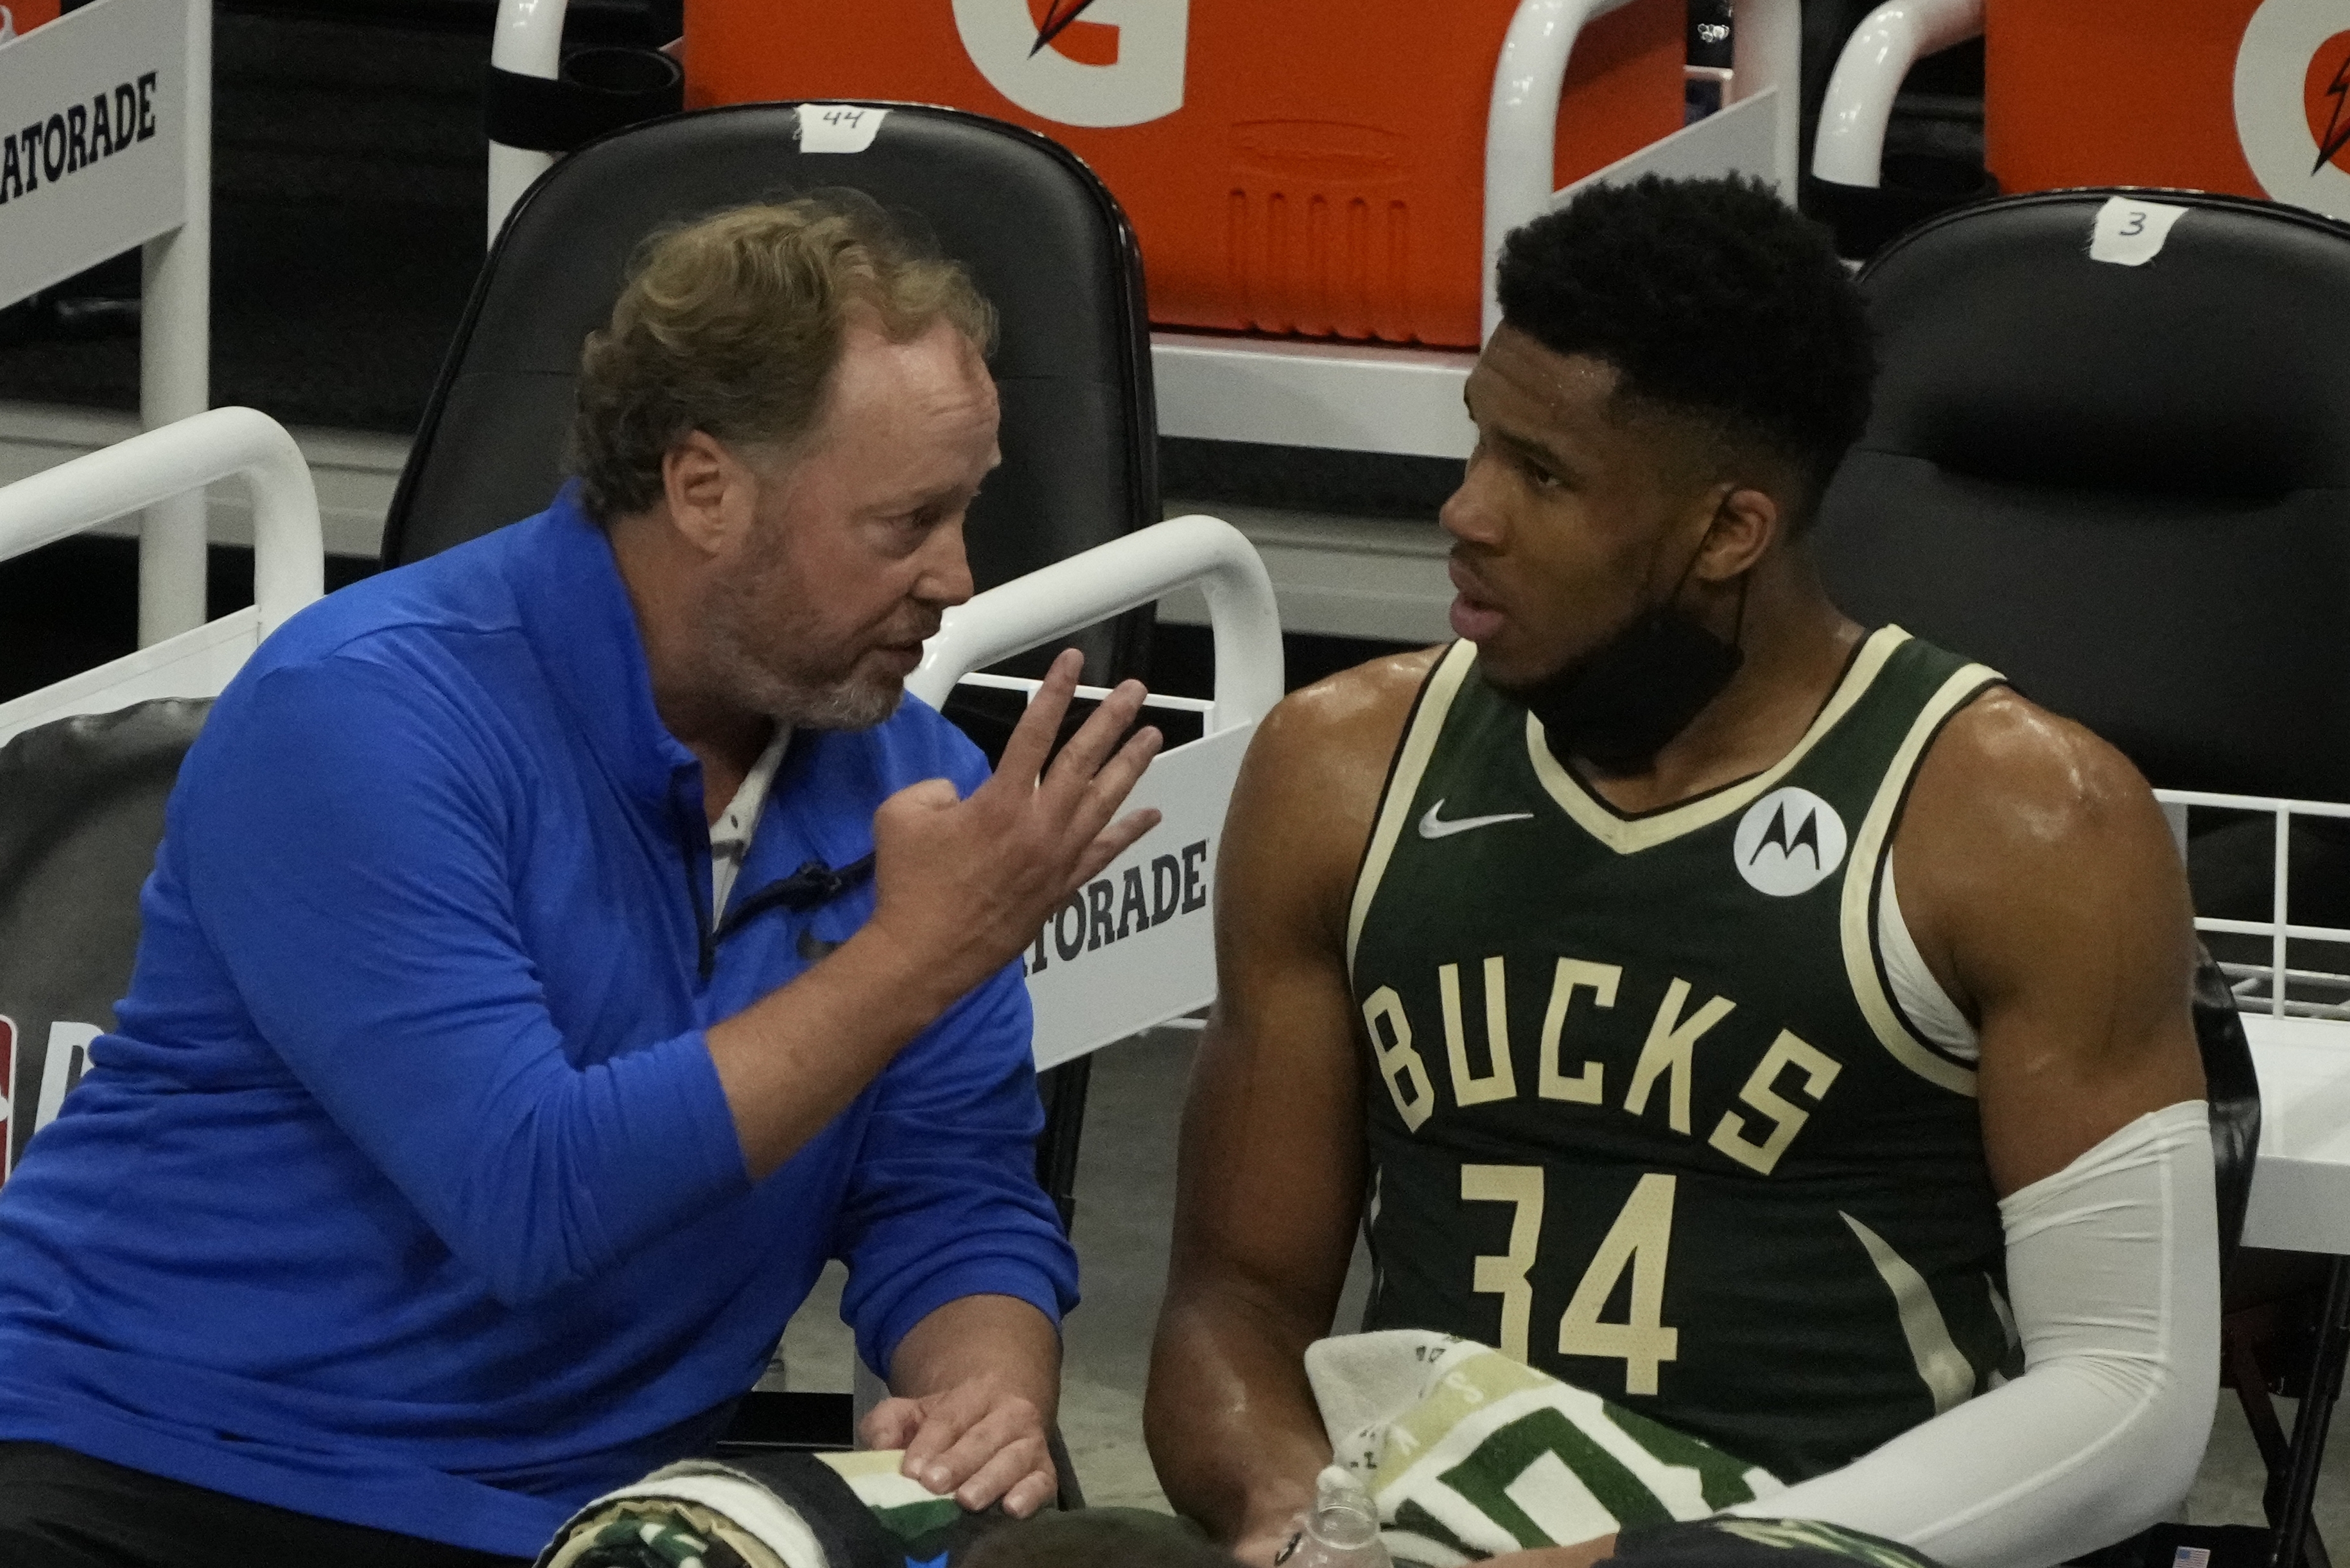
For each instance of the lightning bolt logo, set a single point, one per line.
(1061, 13)
(2337, 129)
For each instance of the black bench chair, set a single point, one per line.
(2128, 487)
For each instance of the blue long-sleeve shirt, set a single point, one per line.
(404, 1192)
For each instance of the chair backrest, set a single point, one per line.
(2232, 1089)
(2127, 486)
(81, 811)
(2124, 486)
(1042, 238)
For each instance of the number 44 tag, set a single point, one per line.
(839, 126)
(2131, 233)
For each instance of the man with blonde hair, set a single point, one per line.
(558, 948)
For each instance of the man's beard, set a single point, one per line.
(755, 626)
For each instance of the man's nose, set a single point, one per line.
(944, 579)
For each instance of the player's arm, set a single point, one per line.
(2053, 907)
(2038, 876)
(1270, 1175)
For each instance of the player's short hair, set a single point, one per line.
(1712, 299)
(731, 325)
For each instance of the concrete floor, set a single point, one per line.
(1124, 1198)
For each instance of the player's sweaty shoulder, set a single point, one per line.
(2015, 807)
(2007, 772)
(1310, 788)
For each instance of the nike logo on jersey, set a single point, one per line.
(1434, 827)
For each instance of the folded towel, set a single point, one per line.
(772, 1511)
(1469, 1454)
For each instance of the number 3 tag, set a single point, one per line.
(2131, 233)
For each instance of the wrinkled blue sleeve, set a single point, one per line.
(943, 1201)
(342, 830)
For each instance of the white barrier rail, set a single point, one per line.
(289, 554)
(1849, 149)
(1755, 133)
(117, 153)
(528, 42)
(2267, 987)
(1242, 617)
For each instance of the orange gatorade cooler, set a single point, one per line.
(2239, 96)
(1316, 167)
(23, 15)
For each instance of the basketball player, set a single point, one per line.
(1774, 1025)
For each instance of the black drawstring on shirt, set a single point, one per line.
(811, 887)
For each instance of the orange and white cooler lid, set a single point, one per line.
(2249, 97)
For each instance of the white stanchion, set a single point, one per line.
(528, 42)
(1242, 616)
(107, 147)
(1522, 122)
(289, 552)
(1849, 149)
(1766, 43)
(175, 358)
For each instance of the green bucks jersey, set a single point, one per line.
(1643, 1110)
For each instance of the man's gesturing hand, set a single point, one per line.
(965, 884)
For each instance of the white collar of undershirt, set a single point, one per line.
(729, 835)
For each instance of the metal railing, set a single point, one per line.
(2277, 987)
(178, 459)
(1849, 148)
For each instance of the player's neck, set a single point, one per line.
(1796, 645)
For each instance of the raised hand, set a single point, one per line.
(964, 884)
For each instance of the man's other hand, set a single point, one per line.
(979, 1381)
(980, 1440)
(965, 884)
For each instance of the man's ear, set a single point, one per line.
(709, 493)
(1746, 522)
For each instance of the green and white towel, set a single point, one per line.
(781, 1510)
(1469, 1454)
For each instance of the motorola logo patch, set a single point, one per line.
(1789, 841)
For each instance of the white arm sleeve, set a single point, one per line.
(2112, 1264)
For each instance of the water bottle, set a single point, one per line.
(1341, 1530)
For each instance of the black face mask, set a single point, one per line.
(1619, 705)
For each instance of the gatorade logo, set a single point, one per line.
(1081, 62)
(2293, 102)
(1788, 843)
